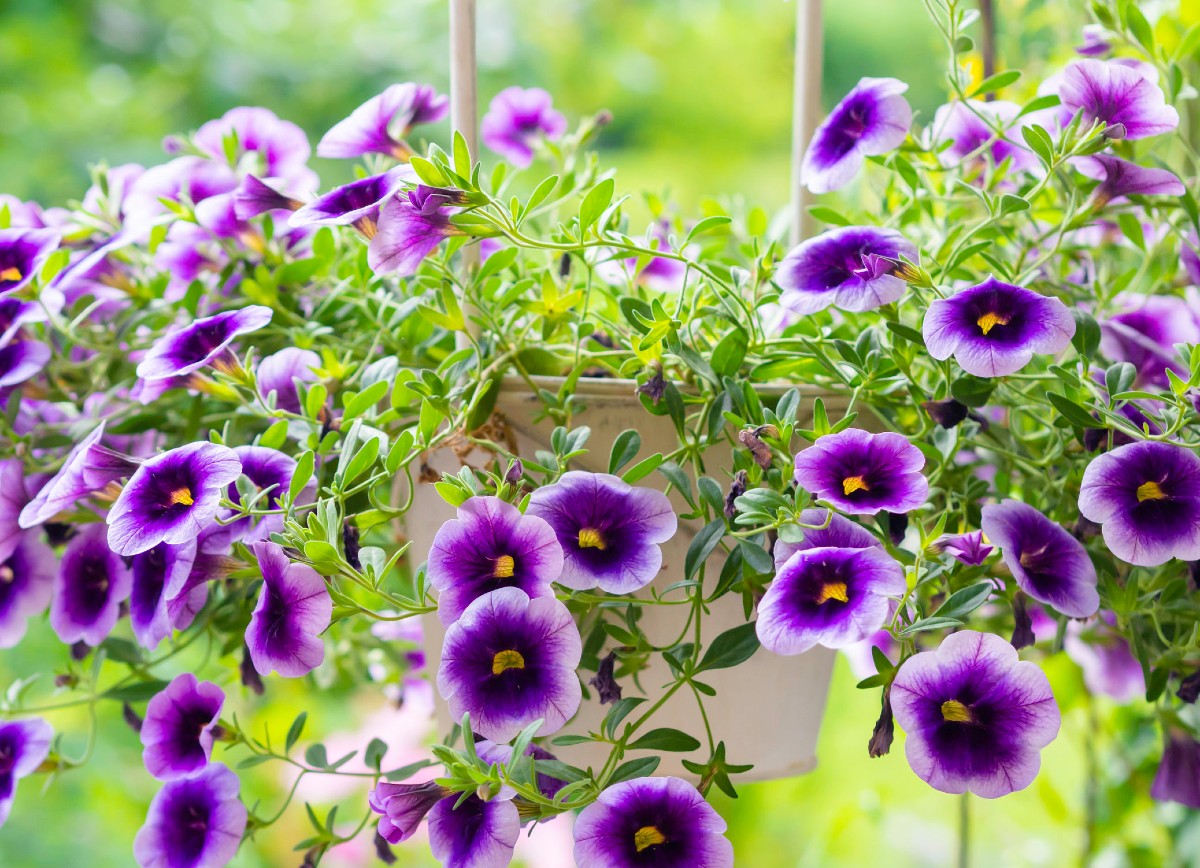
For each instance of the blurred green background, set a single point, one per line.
(700, 91)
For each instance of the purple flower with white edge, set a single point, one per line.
(839, 533)
(411, 225)
(516, 119)
(193, 822)
(850, 268)
(870, 120)
(1111, 93)
(355, 204)
(277, 148)
(159, 575)
(21, 360)
(191, 179)
(510, 661)
(382, 123)
(993, 329)
(91, 584)
(22, 253)
(1048, 563)
(975, 715)
(1147, 497)
(404, 806)
(89, 467)
(828, 596)
(491, 545)
(610, 531)
(1178, 777)
(26, 584)
(177, 732)
(1119, 178)
(201, 343)
(24, 745)
(960, 124)
(862, 473)
(1144, 333)
(475, 834)
(968, 548)
(279, 372)
(1109, 667)
(651, 823)
(293, 609)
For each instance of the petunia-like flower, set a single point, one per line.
(277, 148)
(863, 473)
(839, 533)
(828, 596)
(13, 498)
(171, 497)
(509, 661)
(871, 120)
(651, 823)
(279, 372)
(491, 545)
(159, 575)
(993, 329)
(16, 313)
(183, 606)
(968, 548)
(355, 204)
(20, 361)
(382, 123)
(1147, 497)
(293, 609)
(404, 806)
(516, 119)
(975, 715)
(193, 822)
(850, 267)
(26, 583)
(24, 745)
(1095, 41)
(960, 124)
(22, 252)
(475, 834)
(91, 584)
(609, 530)
(1048, 563)
(255, 196)
(89, 467)
(1119, 178)
(202, 343)
(177, 732)
(1144, 333)
(411, 225)
(1111, 93)
(1109, 666)
(1178, 778)
(271, 472)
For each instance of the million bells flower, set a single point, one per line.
(516, 119)
(1111, 93)
(475, 834)
(193, 822)
(24, 745)
(871, 120)
(26, 584)
(202, 343)
(293, 609)
(92, 583)
(382, 123)
(848, 268)
(178, 730)
(863, 473)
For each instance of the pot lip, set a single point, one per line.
(611, 387)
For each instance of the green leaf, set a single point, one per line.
(1131, 228)
(730, 352)
(302, 475)
(1071, 411)
(362, 460)
(295, 731)
(374, 754)
(666, 739)
(316, 757)
(428, 172)
(702, 546)
(462, 155)
(139, 692)
(624, 449)
(964, 602)
(643, 468)
(594, 204)
(999, 81)
(540, 192)
(1011, 204)
(924, 624)
(618, 712)
(638, 768)
(365, 400)
(1039, 142)
(907, 332)
(828, 215)
(275, 436)
(1087, 334)
(731, 648)
(971, 390)
(703, 227)
(1140, 28)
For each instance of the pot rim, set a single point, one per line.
(611, 387)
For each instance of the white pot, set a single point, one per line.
(768, 710)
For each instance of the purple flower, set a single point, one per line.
(1119, 178)
(660, 822)
(183, 606)
(1145, 332)
(994, 329)
(22, 252)
(1147, 497)
(968, 548)
(516, 118)
(355, 204)
(191, 179)
(871, 120)
(491, 545)
(864, 473)
(159, 575)
(1109, 667)
(255, 196)
(609, 531)
(960, 124)
(493, 753)
(26, 583)
(510, 661)
(89, 467)
(279, 148)
(278, 373)
(1095, 41)
(21, 360)
(15, 313)
(1048, 563)
(171, 497)
(1112, 93)
(24, 745)
(411, 225)
(976, 716)
(270, 471)
(293, 610)
(475, 834)
(13, 498)
(193, 822)
(849, 268)
(178, 729)
(404, 806)
(92, 582)
(828, 596)
(382, 123)
(840, 533)
(202, 343)
(1178, 778)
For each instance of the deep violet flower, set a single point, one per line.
(1144, 333)
(89, 467)
(21, 360)
(92, 582)
(839, 533)
(609, 530)
(15, 313)
(659, 822)
(355, 204)
(201, 343)
(1119, 178)
(277, 148)
(13, 498)
(159, 575)
(976, 716)
(1147, 497)
(1112, 93)
(271, 472)
(279, 372)
(207, 567)
(255, 196)
(411, 225)
(993, 329)
(871, 120)
(828, 596)
(960, 124)
(516, 119)
(1047, 562)
(850, 267)
(293, 609)
(24, 745)
(26, 583)
(863, 473)
(509, 661)
(404, 806)
(177, 731)
(491, 545)
(171, 497)
(475, 834)
(968, 548)
(22, 252)
(1178, 778)
(193, 822)
(382, 123)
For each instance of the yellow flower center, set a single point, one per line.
(6, 574)
(181, 495)
(1150, 491)
(852, 484)
(11, 273)
(503, 568)
(833, 591)
(505, 660)
(648, 836)
(590, 538)
(989, 321)
(954, 711)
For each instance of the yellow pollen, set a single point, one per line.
(505, 660)
(1150, 491)
(954, 711)
(989, 321)
(590, 538)
(648, 836)
(833, 591)
(12, 273)
(181, 495)
(852, 484)
(6, 574)
(503, 568)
